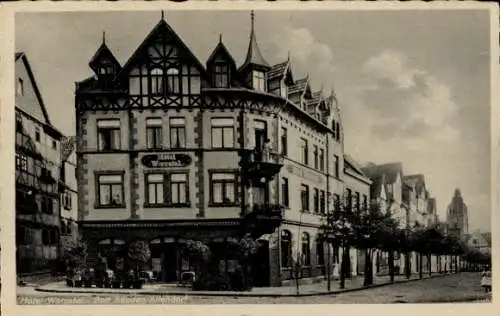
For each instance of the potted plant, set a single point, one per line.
(138, 254)
(199, 255)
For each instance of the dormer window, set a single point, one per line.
(259, 81)
(275, 87)
(106, 70)
(221, 75)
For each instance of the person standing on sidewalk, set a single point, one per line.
(486, 280)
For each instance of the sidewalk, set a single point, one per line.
(353, 284)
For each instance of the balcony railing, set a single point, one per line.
(260, 164)
(263, 218)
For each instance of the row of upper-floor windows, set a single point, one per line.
(222, 136)
(25, 235)
(167, 189)
(222, 133)
(34, 166)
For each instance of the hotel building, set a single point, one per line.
(170, 149)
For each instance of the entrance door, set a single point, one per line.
(260, 265)
(170, 262)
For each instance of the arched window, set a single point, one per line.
(173, 80)
(286, 249)
(306, 249)
(156, 81)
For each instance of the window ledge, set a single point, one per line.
(168, 205)
(224, 205)
(110, 206)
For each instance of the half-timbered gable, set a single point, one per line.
(163, 72)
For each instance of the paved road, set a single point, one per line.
(463, 286)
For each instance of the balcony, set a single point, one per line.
(260, 166)
(261, 219)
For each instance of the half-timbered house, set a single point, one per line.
(38, 164)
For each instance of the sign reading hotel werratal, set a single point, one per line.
(166, 160)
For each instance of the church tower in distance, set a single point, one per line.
(457, 217)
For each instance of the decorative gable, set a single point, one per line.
(162, 49)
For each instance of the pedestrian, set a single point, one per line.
(486, 280)
(266, 150)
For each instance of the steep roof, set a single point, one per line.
(354, 166)
(381, 175)
(161, 29)
(391, 170)
(220, 53)
(283, 69)
(31, 108)
(300, 86)
(104, 53)
(254, 55)
(418, 181)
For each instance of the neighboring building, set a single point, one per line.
(432, 218)
(170, 150)
(479, 241)
(69, 195)
(387, 190)
(357, 186)
(457, 216)
(418, 199)
(38, 163)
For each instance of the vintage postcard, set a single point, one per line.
(248, 153)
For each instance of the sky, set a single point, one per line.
(413, 86)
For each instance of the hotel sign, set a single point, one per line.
(166, 160)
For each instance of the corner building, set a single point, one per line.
(170, 150)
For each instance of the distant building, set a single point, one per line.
(432, 217)
(418, 199)
(387, 189)
(38, 171)
(479, 241)
(457, 216)
(357, 186)
(69, 195)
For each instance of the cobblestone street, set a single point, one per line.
(452, 288)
